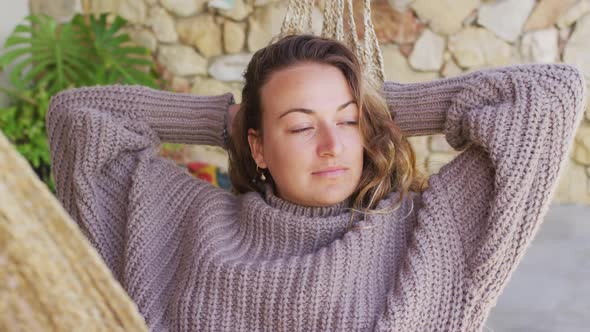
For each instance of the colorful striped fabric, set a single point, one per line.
(210, 173)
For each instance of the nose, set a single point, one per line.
(329, 141)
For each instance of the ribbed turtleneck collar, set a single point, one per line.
(301, 210)
(272, 227)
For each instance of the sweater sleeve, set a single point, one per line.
(514, 126)
(103, 143)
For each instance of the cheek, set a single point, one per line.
(355, 150)
(287, 155)
(355, 139)
(354, 142)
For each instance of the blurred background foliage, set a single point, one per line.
(47, 57)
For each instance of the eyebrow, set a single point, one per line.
(309, 111)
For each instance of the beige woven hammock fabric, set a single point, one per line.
(51, 278)
(337, 15)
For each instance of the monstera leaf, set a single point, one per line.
(120, 60)
(49, 57)
(45, 53)
(85, 51)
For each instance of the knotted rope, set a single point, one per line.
(337, 14)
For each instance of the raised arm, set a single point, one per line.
(108, 175)
(514, 126)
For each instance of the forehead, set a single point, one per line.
(308, 85)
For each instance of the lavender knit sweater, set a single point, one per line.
(197, 258)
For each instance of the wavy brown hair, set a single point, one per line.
(389, 159)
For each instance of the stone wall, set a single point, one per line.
(204, 46)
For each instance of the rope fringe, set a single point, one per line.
(298, 19)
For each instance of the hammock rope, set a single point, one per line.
(337, 14)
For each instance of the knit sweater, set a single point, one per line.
(194, 257)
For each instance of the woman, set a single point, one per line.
(332, 229)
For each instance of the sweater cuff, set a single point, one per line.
(421, 108)
(185, 118)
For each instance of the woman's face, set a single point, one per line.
(312, 146)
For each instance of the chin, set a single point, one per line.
(326, 198)
(320, 194)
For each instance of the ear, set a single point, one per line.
(255, 142)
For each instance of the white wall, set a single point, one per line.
(11, 13)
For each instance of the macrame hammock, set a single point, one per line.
(51, 278)
(339, 14)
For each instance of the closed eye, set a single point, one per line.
(295, 131)
(348, 123)
(351, 123)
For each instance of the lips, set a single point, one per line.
(334, 170)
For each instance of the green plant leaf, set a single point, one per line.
(9, 57)
(46, 79)
(23, 123)
(21, 28)
(17, 71)
(74, 75)
(120, 61)
(16, 40)
(118, 23)
(54, 54)
(37, 69)
(138, 62)
(49, 57)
